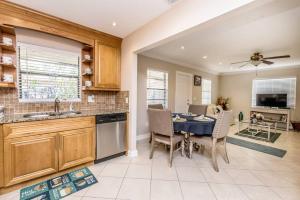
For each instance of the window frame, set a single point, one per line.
(52, 49)
(167, 86)
(274, 78)
(202, 91)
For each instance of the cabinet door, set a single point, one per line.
(26, 158)
(1, 158)
(107, 66)
(1, 163)
(76, 147)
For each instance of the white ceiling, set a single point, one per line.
(100, 14)
(270, 30)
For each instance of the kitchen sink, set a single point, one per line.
(42, 115)
(36, 115)
(71, 113)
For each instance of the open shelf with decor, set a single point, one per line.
(8, 74)
(87, 69)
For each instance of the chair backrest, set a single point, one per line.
(222, 125)
(198, 109)
(160, 122)
(155, 106)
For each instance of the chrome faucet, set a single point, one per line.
(56, 105)
(71, 107)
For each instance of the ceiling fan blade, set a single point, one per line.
(239, 62)
(276, 57)
(267, 62)
(243, 65)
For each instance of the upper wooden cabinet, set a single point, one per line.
(107, 67)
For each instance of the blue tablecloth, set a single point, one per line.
(193, 126)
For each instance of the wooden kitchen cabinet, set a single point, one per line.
(30, 157)
(107, 67)
(76, 147)
(1, 158)
(34, 149)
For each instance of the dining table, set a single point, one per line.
(192, 124)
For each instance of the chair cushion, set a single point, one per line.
(166, 139)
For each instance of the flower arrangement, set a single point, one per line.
(223, 102)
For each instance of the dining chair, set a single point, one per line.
(156, 106)
(197, 109)
(218, 137)
(162, 131)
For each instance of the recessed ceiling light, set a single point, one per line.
(182, 47)
(114, 23)
(171, 1)
(205, 57)
(220, 63)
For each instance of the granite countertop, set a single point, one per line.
(20, 117)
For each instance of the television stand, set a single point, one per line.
(281, 116)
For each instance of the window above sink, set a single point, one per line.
(47, 73)
(48, 67)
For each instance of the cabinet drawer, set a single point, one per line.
(29, 157)
(14, 130)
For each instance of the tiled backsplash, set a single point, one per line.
(103, 100)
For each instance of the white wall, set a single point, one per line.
(182, 17)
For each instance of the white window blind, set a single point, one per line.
(47, 73)
(275, 86)
(206, 91)
(157, 87)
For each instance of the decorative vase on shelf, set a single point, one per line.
(241, 116)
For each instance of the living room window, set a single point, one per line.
(157, 87)
(206, 91)
(275, 86)
(47, 73)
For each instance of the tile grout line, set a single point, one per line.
(105, 164)
(179, 184)
(123, 180)
(151, 177)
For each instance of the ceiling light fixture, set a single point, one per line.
(182, 47)
(114, 23)
(205, 57)
(220, 63)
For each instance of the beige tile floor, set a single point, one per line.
(250, 175)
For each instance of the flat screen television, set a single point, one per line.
(271, 100)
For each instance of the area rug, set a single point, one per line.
(59, 187)
(257, 147)
(262, 136)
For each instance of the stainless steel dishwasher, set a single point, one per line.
(111, 130)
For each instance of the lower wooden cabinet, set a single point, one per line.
(38, 151)
(76, 147)
(30, 157)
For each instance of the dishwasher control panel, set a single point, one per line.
(108, 118)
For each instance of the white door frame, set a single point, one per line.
(191, 85)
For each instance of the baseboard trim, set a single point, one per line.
(132, 153)
(143, 137)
